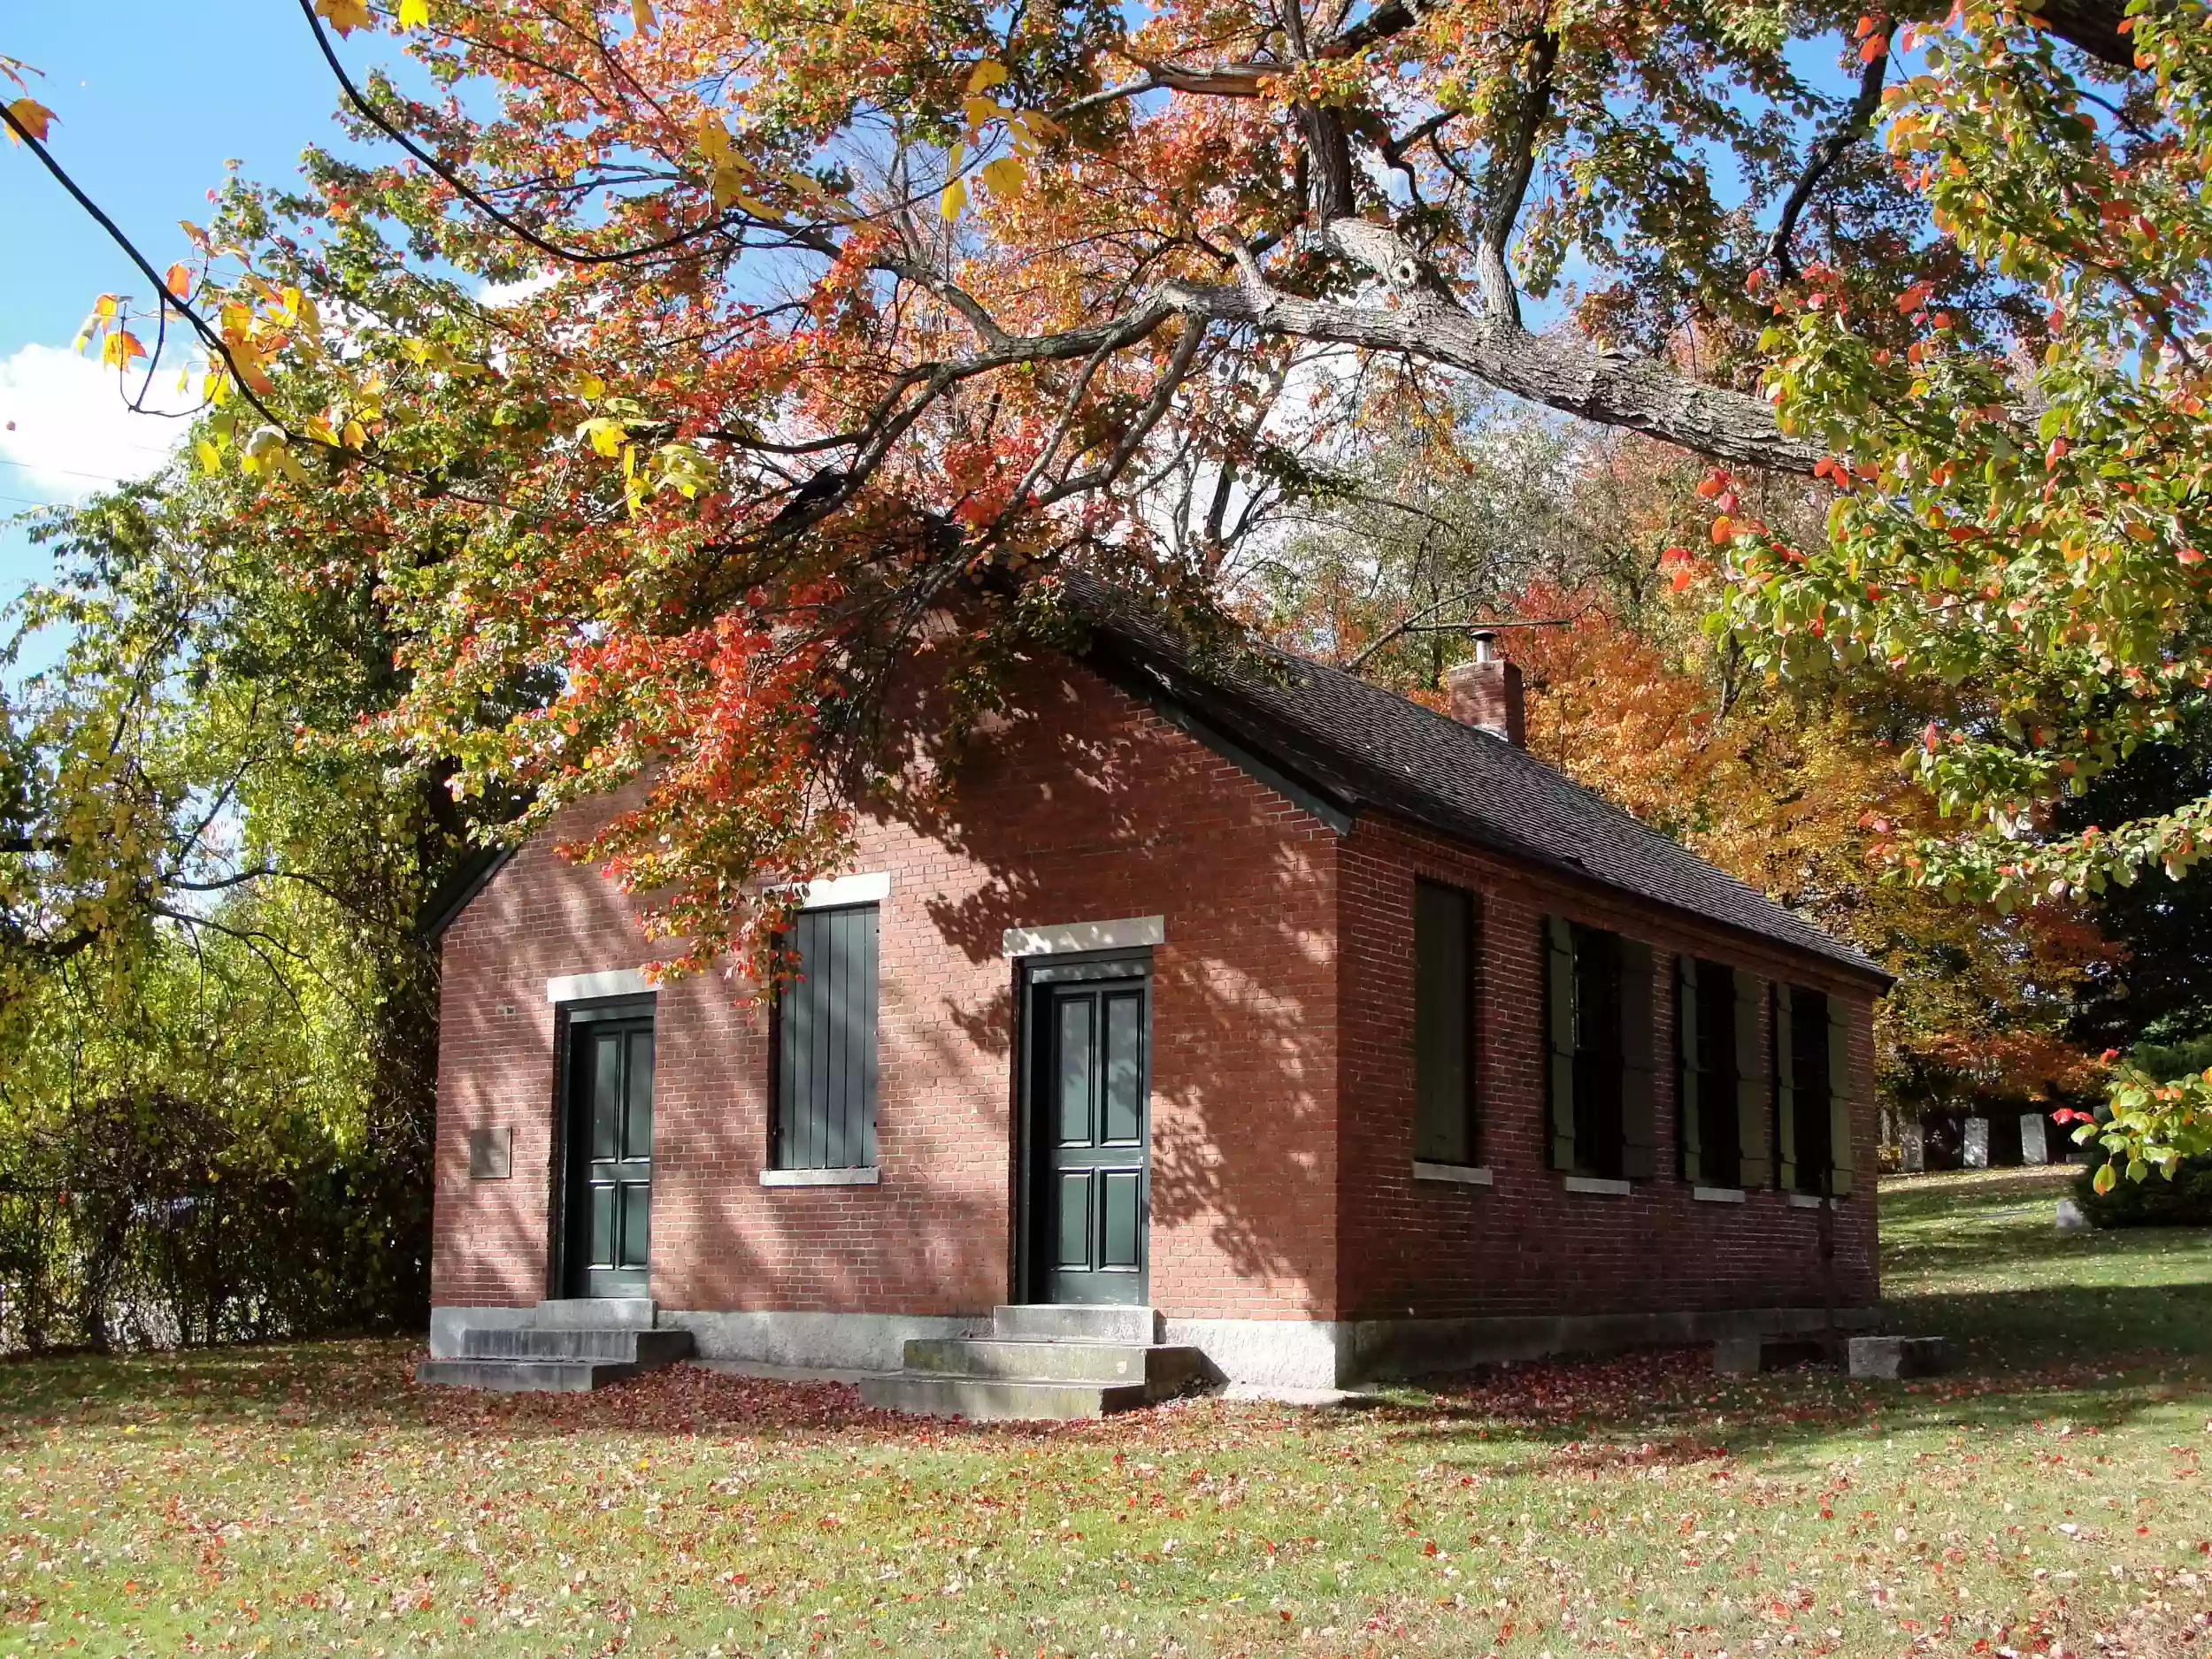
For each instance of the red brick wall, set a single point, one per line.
(1086, 808)
(1284, 986)
(1525, 1245)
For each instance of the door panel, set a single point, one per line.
(609, 1197)
(1090, 1137)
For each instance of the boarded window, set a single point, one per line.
(1802, 1114)
(1443, 1025)
(825, 1043)
(1598, 1014)
(1707, 1108)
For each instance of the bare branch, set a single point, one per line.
(1512, 164)
(1857, 123)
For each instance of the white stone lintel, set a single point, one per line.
(867, 889)
(1805, 1201)
(580, 988)
(1598, 1184)
(1464, 1174)
(1062, 937)
(857, 1175)
(1717, 1194)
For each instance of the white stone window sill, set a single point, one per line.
(860, 1175)
(1598, 1184)
(1461, 1174)
(1807, 1200)
(1717, 1194)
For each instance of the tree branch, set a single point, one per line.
(1512, 165)
(1420, 320)
(1857, 123)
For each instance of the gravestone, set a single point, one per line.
(1977, 1143)
(2070, 1217)
(1914, 1149)
(2035, 1147)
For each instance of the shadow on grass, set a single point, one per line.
(368, 1387)
(1666, 1408)
(2023, 1328)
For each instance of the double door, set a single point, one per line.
(608, 1210)
(1090, 1138)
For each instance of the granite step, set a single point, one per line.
(1000, 1399)
(1162, 1369)
(1058, 1322)
(526, 1376)
(625, 1344)
(559, 1345)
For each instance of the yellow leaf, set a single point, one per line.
(121, 347)
(345, 16)
(178, 280)
(982, 110)
(589, 384)
(714, 138)
(354, 436)
(33, 116)
(987, 74)
(414, 14)
(1005, 176)
(754, 205)
(641, 15)
(104, 307)
(954, 198)
(210, 458)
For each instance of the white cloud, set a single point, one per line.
(65, 430)
(498, 294)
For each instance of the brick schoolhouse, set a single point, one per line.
(1345, 1035)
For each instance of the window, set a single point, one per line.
(825, 1043)
(1443, 1025)
(1813, 1091)
(1707, 1103)
(1598, 1015)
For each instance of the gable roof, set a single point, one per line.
(1338, 744)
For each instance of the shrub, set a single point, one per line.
(2153, 1201)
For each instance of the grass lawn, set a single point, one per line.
(311, 1499)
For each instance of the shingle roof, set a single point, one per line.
(1356, 745)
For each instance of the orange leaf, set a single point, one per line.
(33, 116)
(178, 280)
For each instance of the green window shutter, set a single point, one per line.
(1443, 1017)
(1754, 1151)
(1842, 1094)
(825, 1043)
(1640, 1118)
(1784, 1090)
(1687, 1096)
(1559, 1025)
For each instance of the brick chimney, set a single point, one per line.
(1487, 692)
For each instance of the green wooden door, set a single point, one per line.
(611, 1157)
(1091, 1135)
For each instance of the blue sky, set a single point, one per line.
(152, 98)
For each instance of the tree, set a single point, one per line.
(218, 1001)
(853, 318)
